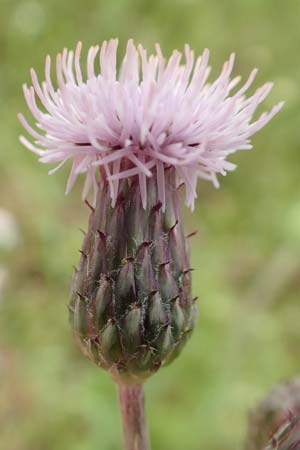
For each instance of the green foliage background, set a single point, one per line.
(246, 254)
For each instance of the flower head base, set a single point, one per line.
(131, 307)
(152, 114)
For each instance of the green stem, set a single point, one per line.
(131, 398)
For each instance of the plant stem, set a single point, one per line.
(131, 398)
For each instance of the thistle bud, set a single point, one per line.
(131, 307)
(288, 435)
(275, 417)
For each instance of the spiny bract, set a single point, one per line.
(131, 306)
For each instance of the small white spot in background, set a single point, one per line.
(9, 232)
(29, 18)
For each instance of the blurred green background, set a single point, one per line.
(246, 254)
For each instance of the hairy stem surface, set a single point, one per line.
(131, 398)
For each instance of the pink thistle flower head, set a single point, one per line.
(151, 114)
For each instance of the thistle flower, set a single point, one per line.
(150, 115)
(139, 134)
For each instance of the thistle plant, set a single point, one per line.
(139, 134)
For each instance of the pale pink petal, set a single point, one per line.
(153, 114)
